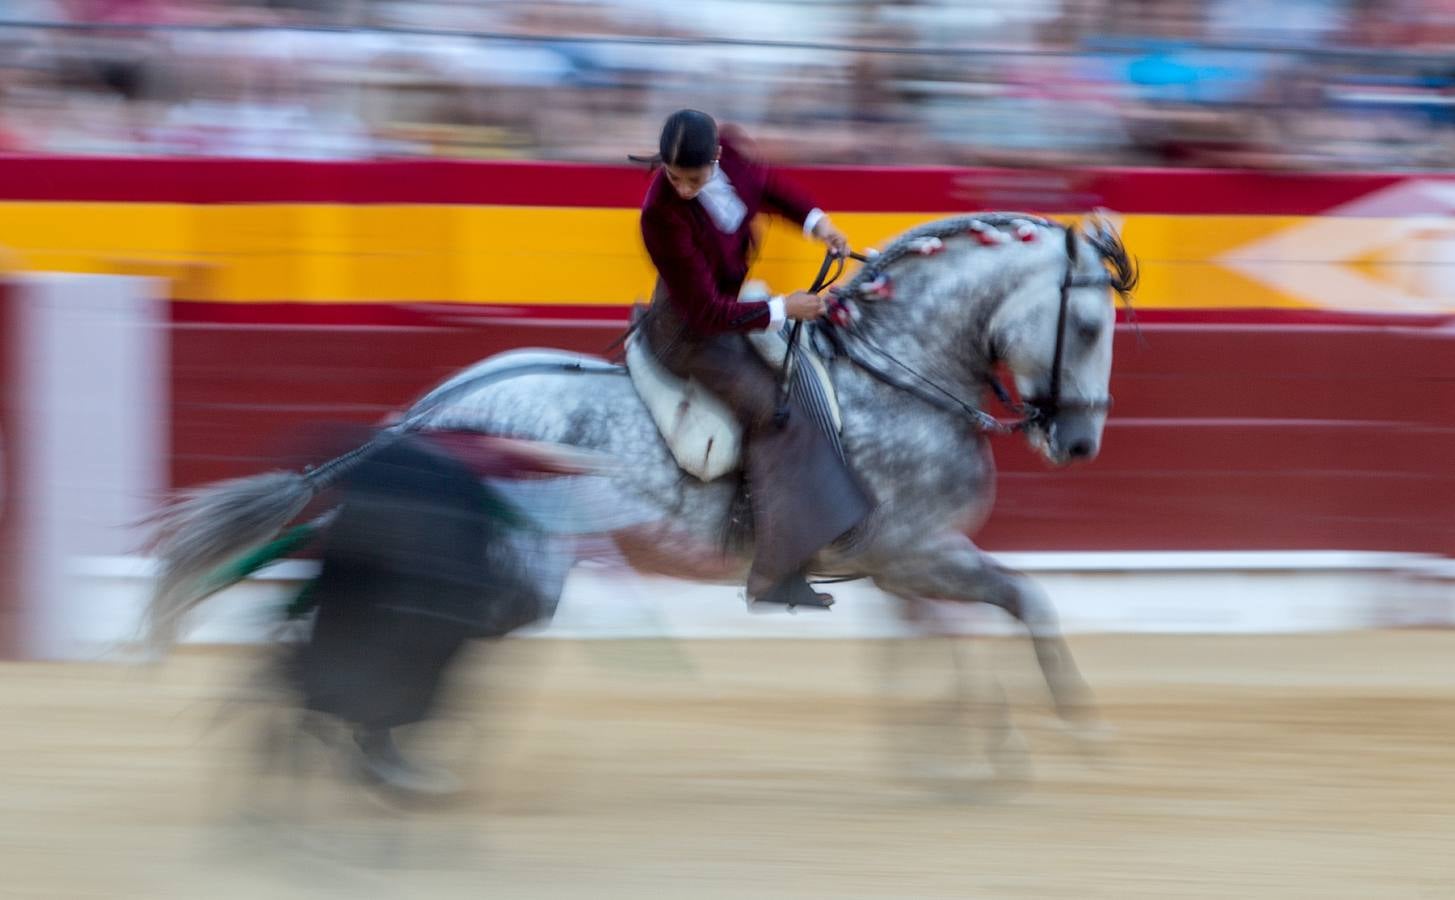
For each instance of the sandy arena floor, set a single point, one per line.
(1281, 767)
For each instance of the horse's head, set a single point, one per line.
(1004, 288)
(1053, 330)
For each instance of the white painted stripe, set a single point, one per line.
(1170, 593)
(1031, 562)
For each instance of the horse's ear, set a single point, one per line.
(1073, 243)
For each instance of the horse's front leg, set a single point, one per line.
(950, 567)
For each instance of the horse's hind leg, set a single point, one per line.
(953, 568)
(967, 709)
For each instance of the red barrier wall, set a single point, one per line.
(1235, 428)
(1306, 433)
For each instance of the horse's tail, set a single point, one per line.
(206, 528)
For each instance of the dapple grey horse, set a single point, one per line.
(969, 294)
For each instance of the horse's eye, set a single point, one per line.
(1088, 332)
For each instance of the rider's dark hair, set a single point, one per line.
(689, 140)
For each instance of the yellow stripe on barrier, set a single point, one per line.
(322, 253)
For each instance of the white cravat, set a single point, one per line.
(723, 205)
(726, 209)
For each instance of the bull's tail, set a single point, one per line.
(209, 527)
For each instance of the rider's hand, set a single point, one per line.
(834, 238)
(803, 306)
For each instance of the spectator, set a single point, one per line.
(896, 82)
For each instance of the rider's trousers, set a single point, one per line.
(803, 495)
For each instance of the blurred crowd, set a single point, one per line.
(1325, 84)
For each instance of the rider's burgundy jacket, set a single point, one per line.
(703, 268)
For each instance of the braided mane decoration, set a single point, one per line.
(1123, 272)
(910, 243)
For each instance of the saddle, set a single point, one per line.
(702, 432)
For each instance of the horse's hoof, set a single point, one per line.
(420, 782)
(1095, 739)
(380, 763)
(1095, 732)
(993, 780)
(1011, 760)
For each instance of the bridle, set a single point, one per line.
(1044, 409)
(834, 260)
(1032, 412)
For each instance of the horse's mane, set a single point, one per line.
(1122, 272)
(909, 243)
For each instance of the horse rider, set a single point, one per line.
(696, 223)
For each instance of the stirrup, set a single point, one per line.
(793, 592)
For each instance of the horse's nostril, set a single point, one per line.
(1080, 449)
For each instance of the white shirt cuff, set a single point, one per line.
(810, 221)
(778, 312)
